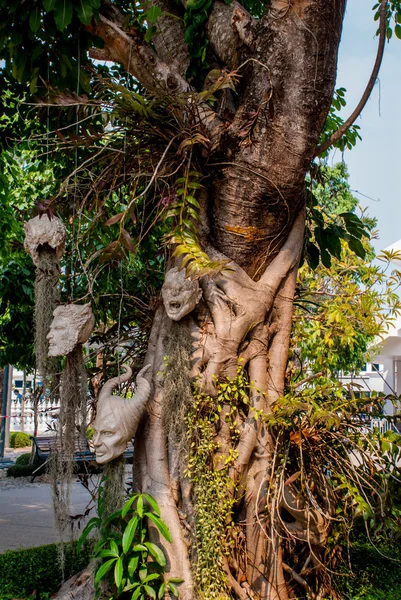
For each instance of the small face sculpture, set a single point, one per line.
(180, 295)
(72, 324)
(61, 337)
(108, 440)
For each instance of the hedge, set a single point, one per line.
(23, 572)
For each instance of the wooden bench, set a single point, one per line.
(45, 445)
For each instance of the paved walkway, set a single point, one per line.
(26, 513)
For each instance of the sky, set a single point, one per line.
(375, 163)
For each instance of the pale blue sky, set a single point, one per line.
(375, 163)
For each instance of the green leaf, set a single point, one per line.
(118, 572)
(152, 502)
(397, 31)
(132, 565)
(356, 246)
(48, 5)
(114, 547)
(84, 11)
(129, 533)
(161, 591)
(105, 553)
(173, 588)
(139, 506)
(62, 13)
(34, 20)
(157, 553)
(153, 14)
(137, 593)
(94, 522)
(128, 504)
(104, 569)
(161, 525)
(150, 591)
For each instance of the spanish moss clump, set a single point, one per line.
(46, 297)
(71, 432)
(113, 491)
(177, 386)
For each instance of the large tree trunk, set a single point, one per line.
(252, 216)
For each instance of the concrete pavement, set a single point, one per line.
(26, 514)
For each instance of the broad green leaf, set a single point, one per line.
(114, 547)
(137, 593)
(129, 533)
(152, 503)
(62, 13)
(153, 14)
(132, 565)
(161, 591)
(128, 504)
(34, 19)
(157, 553)
(150, 591)
(105, 553)
(118, 572)
(161, 525)
(48, 5)
(103, 570)
(173, 588)
(139, 506)
(84, 11)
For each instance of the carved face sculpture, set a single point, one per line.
(110, 437)
(72, 324)
(180, 295)
(117, 418)
(42, 230)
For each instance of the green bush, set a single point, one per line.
(12, 438)
(22, 471)
(23, 459)
(38, 569)
(376, 573)
(21, 440)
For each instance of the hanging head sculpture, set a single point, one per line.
(72, 325)
(42, 231)
(180, 294)
(117, 418)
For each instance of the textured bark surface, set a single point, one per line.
(253, 217)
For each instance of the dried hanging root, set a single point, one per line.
(72, 425)
(46, 298)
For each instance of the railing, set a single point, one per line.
(47, 410)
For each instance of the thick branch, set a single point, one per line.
(169, 40)
(365, 97)
(229, 28)
(128, 48)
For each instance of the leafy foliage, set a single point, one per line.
(334, 122)
(131, 561)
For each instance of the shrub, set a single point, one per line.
(21, 471)
(21, 440)
(12, 438)
(23, 459)
(24, 571)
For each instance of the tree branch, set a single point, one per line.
(365, 97)
(129, 49)
(229, 28)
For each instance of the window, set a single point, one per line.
(18, 383)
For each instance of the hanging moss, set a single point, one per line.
(46, 297)
(177, 396)
(113, 490)
(72, 427)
